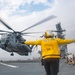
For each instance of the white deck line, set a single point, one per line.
(12, 66)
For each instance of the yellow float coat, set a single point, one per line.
(49, 46)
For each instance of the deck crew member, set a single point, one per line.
(50, 51)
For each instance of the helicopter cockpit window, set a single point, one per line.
(3, 38)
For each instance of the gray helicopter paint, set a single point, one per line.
(13, 45)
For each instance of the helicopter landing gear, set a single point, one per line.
(26, 53)
(12, 54)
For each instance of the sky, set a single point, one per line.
(20, 14)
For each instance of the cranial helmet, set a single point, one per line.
(49, 34)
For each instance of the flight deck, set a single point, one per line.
(33, 68)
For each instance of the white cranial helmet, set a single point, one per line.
(49, 34)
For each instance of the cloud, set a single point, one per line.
(14, 13)
(24, 7)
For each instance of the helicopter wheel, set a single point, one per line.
(26, 53)
(12, 54)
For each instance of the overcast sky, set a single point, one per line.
(20, 14)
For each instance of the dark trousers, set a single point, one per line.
(51, 66)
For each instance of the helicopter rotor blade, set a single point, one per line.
(5, 31)
(32, 32)
(58, 30)
(29, 35)
(42, 21)
(5, 24)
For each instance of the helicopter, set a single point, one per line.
(13, 41)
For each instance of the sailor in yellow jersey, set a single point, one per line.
(50, 51)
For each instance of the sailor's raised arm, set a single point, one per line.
(37, 42)
(65, 41)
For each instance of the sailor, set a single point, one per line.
(50, 51)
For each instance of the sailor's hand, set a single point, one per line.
(23, 42)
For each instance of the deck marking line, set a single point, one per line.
(9, 65)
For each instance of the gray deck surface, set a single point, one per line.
(32, 68)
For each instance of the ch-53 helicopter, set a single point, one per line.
(13, 41)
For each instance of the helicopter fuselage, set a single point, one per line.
(11, 43)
